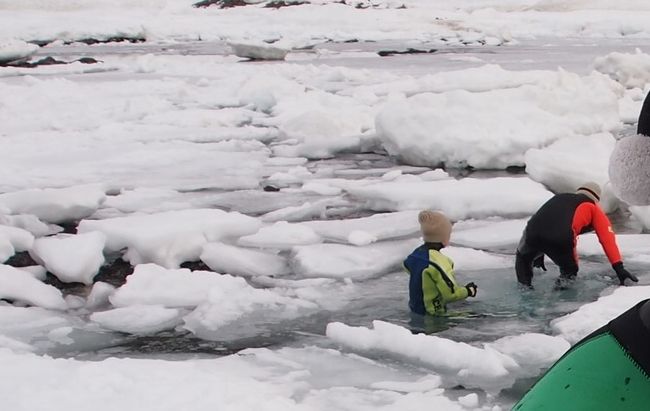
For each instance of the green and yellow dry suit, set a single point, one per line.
(432, 284)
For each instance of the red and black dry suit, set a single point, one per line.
(554, 229)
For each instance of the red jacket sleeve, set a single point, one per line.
(591, 214)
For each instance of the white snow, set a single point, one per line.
(55, 205)
(533, 352)
(138, 319)
(12, 50)
(19, 285)
(72, 258)
(258, 51)
(629, 69)
(499, 234)
(225, 258)
(575, 326)
(457, 363)
(385, 226)
(470, 259)
(255, 378)
(504, 122)
(154, 285)
(29, 325)
(282, 235)
(558, 168)
(458, 199)
(99, 295)
(169, 238)
(306, 211)
(14, 239)
(469, 401)
(631, 246)
(218, 300)
(345, 261)
(30, 223)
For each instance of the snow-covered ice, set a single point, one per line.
(55, 205)
(138, 319)
(458, 199)
(575, 326)
(234, 260)
(21, 286)
(72, 258)
(169, 238)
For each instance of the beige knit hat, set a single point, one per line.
(591, 190)
(435, 227)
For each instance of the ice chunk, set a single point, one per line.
(55, 205)
(558, 168)
(532, 351)
(632, 246)
(505, 122)
(14, 239)
(381, 226)
(629, 69)
(589, 317)
(13, 49)
(345, 261)
(282, 235)
(491, 235)
(138, 319)
(258, 51)
(458, 199)
(170, 238)
(456, 362)
(19, 285)
(229, 259)
(154, 285)
(72, 258)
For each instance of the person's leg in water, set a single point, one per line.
(565, 258)
(526, 253)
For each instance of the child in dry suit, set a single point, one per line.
(432, 283)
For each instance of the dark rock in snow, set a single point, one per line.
(384, 53)
(115, 272)
(196, 266)
(516, 169)
(114, 39)
(69, 288)
(47, 61)
(276, 4)
(87, 60)
(69, 227)
(222, 4)
(272, 189)
(21, 259)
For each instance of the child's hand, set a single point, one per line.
(472, 289)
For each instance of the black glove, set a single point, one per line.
(622, 273)
(539, 262)
(471, 289)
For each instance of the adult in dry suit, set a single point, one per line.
(553, 231)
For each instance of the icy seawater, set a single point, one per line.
(502, 307)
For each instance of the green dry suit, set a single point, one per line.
(432, 283)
